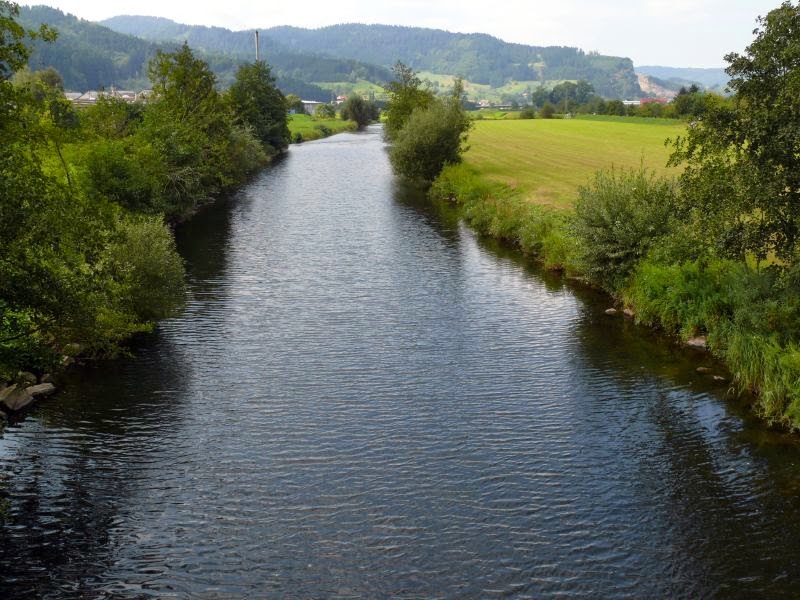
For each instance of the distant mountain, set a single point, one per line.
(479, 58)
(92, 56)
(299, 63)
(707, 78)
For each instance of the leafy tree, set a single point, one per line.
(259, 104)
(433, 136)
(325, 111)
(547, 111)
(406, 93)
(363, 112)
(294, 103)
(742, 173)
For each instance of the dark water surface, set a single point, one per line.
(363, 400)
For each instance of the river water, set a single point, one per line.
(364, 400)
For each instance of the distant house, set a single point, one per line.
(632, 102)
(340, 99)
(310, 106)
(92, 96)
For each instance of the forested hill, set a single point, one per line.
(478, 58)
(91, 56)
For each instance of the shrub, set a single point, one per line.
(433, 138)
(618, 217)
(547, 111)
(146, 266)
(528, 113)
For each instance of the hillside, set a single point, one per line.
(479, 58)
(676, 77)
(91, 56)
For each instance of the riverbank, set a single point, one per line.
(726, 307)
(305, 128)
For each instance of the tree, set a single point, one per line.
(363, 112)
(406, 93)
(434, 136)
(742, 174)
(258, 103)
(325, 111)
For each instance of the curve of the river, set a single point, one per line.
(364, 400)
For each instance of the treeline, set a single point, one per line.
(580, 98)
(86, 257)
(713, 256)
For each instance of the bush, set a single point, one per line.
(146, 266)
(618, 217)
(433, 138)
(528, 113)
(363, 112)
(547, 111)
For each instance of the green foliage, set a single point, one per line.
(143, 262)
(618, 218)
(325, 111)
(742, 159)
(78, 262)
(363, 112)
(260, 105)
(547, 111)
(406, 94)
(433, 137)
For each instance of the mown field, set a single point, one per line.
(314, 129)
(547, 160)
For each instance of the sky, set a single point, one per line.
(679, 33)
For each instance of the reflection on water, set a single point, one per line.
(363, 399)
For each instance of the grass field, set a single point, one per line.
(548, 160)
(314, 129)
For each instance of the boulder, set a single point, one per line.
(611, 312)
(628, 312)
(719, 379)
(703, 370)
(700, 342)
(41, 390)
(24, 378)
(15, 398)
(47, 378)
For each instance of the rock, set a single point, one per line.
(41, 390)
(700, 342)
(15, 398)
(24, 379)
(719, 379)
(611, 312)
(628, 312)
(73, 349)
(67, 361)
(47, 378)
(703, 370)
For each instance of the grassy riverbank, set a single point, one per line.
(521, 181)
(304, 128)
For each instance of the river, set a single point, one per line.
(364, 400)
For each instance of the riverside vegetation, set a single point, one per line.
(87, 258)
(712, 252)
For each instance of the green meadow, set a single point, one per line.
(311, 128)
(547, 160)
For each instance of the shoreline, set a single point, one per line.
(541, 234)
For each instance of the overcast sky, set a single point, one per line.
(685, 33)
